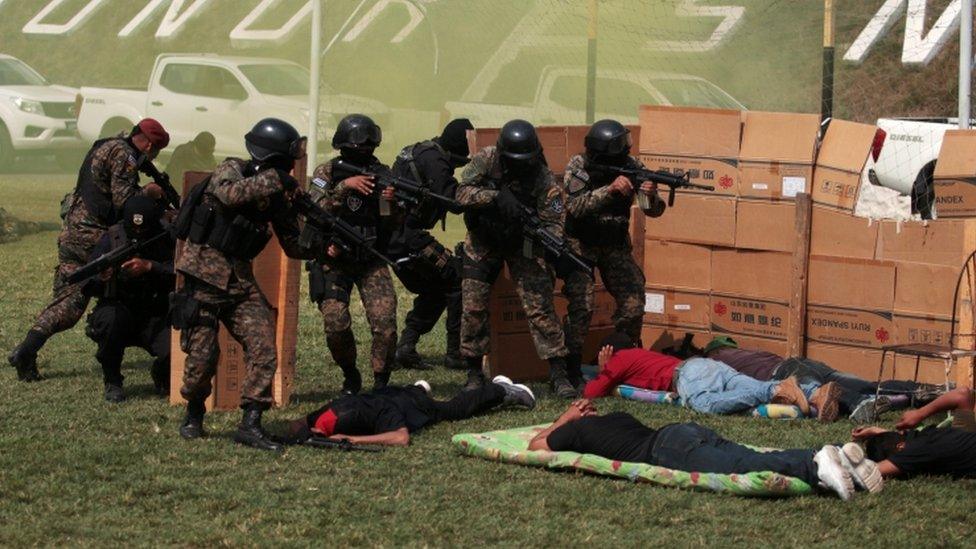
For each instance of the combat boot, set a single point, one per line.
(352, 382)
(160, 377)
(192, 426)
(476, 376)
(380, 380)
(24, 356)
(574, 371)
(406, 352)
(250, 433)
(114, 393)
(452, 355)
(558, 381)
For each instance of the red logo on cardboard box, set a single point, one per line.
(725, 182)
(720, 309)
(881, 335)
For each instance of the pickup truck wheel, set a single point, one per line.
(6, 149)
(114, 127)
(923, 191)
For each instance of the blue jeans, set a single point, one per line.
(713, 387)
(691, 447)
(853, 389)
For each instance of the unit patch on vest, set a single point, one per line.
(556, 205)
(354, 203)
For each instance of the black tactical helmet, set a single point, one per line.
(607, 138)
(518, 141)
(357, 130)
(273, 138)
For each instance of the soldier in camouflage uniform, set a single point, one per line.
(107, 178)
(224, 222)
(332, 276)
(597, 224)
(494, 187)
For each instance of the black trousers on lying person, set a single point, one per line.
(853, 389)
(466, 404)
(116, 325)
(691, 447)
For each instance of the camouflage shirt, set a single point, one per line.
(588, 194)
(482, 177)
(263, 192)
(114, 172)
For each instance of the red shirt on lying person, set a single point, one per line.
(637, 367)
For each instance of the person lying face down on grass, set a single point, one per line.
(705, 385)
(694, 448)
(907, 452)
(856, 396)
(389, 415)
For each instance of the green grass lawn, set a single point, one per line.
(75, 470)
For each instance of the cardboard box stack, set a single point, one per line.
(722, 263)
(955, 175)
(278, 278)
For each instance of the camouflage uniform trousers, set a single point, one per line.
(246, 314)
(379, 301)
(534, 285)
(622, 278)
(75, 245)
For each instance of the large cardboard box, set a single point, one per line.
(837, 174)
(703, 143)
(749, 273)
(765, 225)
(942, 242)
(698, 219)
(677, 308)
(859, 361)
(840, 234)
(777, 154)
(850, 302)
(749, 316)
(278, 277)
(678, 265)
(770, 345)
(659, 337)
(955, 175)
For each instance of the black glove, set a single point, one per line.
(508, 205)
(287, 181)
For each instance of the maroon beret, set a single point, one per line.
(154, 131)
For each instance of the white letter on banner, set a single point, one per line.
(731, 18)
(242, 32)
(34, 26)
(916, 49)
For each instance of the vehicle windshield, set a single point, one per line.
(277, 78)
(15, 73)
(695, 93)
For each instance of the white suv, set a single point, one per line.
(36, 117)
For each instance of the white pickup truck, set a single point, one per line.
(36, 117)
(907, 158)
(223, 95)
(560, 97)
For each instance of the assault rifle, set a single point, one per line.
(343, 234)
(162, 179)
(318, 441)
(557, 252)
(114, 258)
(637, 176)
(406, 190)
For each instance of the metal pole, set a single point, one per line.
(965, 63)
(827, 88)
(591, 63)
(315, 62)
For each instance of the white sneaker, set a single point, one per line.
(863, 471)
(423, 385)
(832, 474)
(516, 394)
